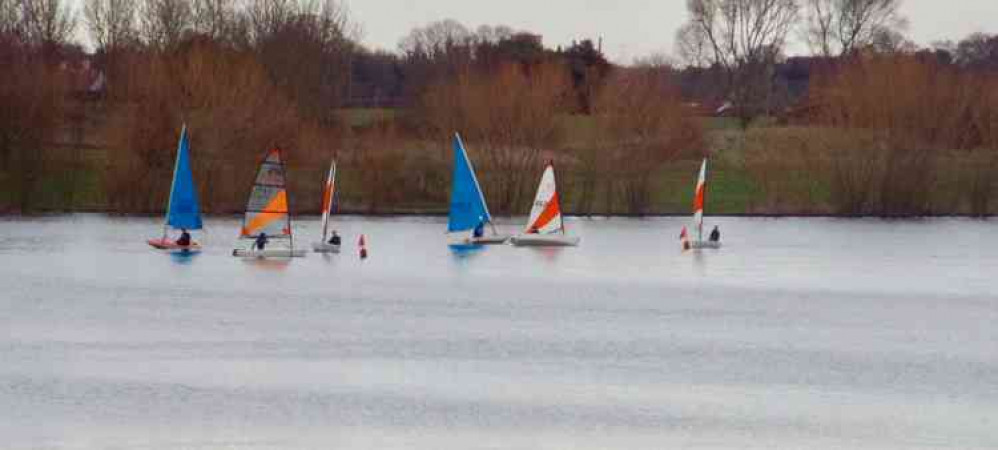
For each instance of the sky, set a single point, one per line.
(630, 28)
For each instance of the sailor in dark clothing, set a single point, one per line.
(715, 236)
(334, 239)
(185, 238)
(479, 230)
(261, 241)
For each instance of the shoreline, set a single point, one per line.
(431, 213)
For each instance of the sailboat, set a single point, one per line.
(699, 201)
(183, 211)
(468, 210)
(328, 196)
(267, 213)
(546, 227)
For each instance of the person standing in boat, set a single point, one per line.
(185, 238)
(715, 235)
(334, 239)
(479, 230)
(261, 241)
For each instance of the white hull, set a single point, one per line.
(322, 247)
(545, 240)
(713, 245)
(484, 240)
(269, 253)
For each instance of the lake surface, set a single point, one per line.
(800, 333)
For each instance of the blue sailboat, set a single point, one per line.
(468, 211)
(183, 212)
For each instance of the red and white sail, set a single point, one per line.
(545, 216)
(699, 198)
(328, 194)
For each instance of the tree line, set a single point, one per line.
(247, 74)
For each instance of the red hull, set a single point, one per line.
(169, 244)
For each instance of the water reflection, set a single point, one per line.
(463, 254)
(184, 258)
(268, 264)
(549, 255)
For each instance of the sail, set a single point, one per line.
(545, 216)
(267, 208)
(467, 204)
(699, 197)
(328, 194)
(183, 211)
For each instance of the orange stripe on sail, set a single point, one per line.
(552, 210)
(327, 195)
(275, 210)
(698, 198)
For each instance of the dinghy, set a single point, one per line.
(328, 196)
(183, 211)
(546, 227)
(267, 213)
(699, 201)
(468, 210)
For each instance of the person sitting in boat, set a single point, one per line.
(715, 235)
(261, 241)
(185, 238)
(479, 230)
(334, 239)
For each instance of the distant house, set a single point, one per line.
(85, 78)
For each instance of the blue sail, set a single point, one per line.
(183, 210)
(467, 204)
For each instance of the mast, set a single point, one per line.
(557, 198)
(173, 182)
(327, 206)
(699, 196)
(478, 187)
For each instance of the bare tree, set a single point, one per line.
(436, 39)
(10, 17)
(163, 23)
(214, 18)
(111, 22)
(745, 38)
(47, 23)
(839, 27)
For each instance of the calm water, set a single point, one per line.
(813, 333)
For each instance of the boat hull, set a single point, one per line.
(269, 253)
(541, 240)
(709, 245)
(323, 247)
(171, 246)
(488, 240)
(484, 240)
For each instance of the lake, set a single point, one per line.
(799, 333)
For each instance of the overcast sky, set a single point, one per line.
(630, 28)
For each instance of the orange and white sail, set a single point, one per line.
(699, 197)
(545, 216)
(328, 194)
(267, 208)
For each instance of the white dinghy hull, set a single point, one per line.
(484, 240)
(269, 253)
(322, 247)
(544, 240)
(710, 245)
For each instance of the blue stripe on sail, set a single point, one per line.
(467, 205)
(184, 210)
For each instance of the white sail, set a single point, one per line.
(699, 197)
(328, 194)
(545, 215)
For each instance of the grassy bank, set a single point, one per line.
(765, 171)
